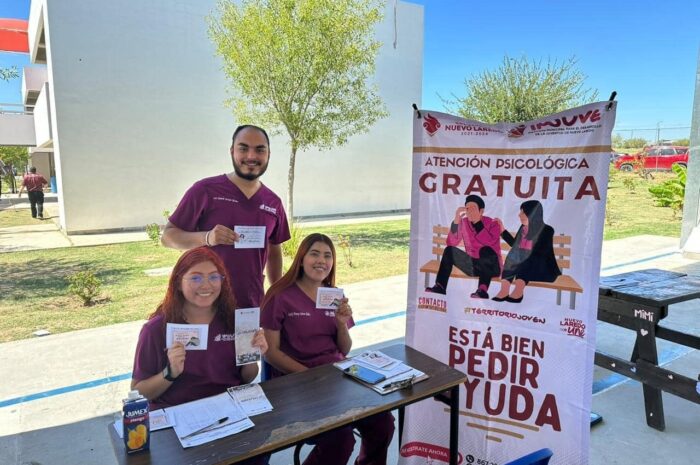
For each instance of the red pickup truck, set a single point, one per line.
(656, 157)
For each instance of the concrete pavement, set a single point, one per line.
(61, 391)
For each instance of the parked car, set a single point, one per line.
(656, 157)
(615, 155)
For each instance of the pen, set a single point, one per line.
(204, 429)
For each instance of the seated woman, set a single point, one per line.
(531, 257)
(302, 336)
(196, 295)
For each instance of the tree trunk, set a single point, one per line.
(290, 183)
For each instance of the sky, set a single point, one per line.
(645, 50)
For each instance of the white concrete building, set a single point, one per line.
(132, 107)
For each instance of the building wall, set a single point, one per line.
(137, 98)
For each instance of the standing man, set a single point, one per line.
(34, 183)
(481, 236)
(238, 216)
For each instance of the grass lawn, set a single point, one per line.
(631, 210)
(19, 217)
(34, 290)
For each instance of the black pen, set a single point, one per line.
(204, 429)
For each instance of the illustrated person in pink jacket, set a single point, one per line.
(481, 258)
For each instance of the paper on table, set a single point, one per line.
(328, 298)
(375, 359)
(396, 367)
(247, 323)
(252, 398)
(192, 416)
(193, 337)
(249, 237)
(158, 419)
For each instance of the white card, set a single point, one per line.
(193, 337)
(247, 323)
(250, 237)
(329, 297)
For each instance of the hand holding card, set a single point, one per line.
(329, 298)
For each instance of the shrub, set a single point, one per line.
(684, 141)
(634, 143)
(85, 285)
(289, 248)
(346, 246)
(671, 193)
(153, 231)
(629, 183)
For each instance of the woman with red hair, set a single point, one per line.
(302, 336)
(171, 376)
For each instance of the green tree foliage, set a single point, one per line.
(7, 74)
(635, 143)
(521, 89)
(617, 140)
(684, 141)
(17, 157)
(671, 193)
(302, 67)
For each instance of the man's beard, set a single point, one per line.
(249, 176)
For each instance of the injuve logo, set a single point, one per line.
(431, 124)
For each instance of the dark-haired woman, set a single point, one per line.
(302, 336)
(171, 376)
(531, 256)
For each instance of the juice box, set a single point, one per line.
(137, 435)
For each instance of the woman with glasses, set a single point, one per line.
(302, 336)
(195, 295)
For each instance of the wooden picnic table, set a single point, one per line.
(638, 301)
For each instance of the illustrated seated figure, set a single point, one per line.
(531, 256)
(481, 258)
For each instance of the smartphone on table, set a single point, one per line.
(364, 374)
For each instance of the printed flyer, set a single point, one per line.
(506, 233)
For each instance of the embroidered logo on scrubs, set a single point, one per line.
(268, 209)
(226, 199)
(225, 338)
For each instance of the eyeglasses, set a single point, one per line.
(400, 384)
(198, 279)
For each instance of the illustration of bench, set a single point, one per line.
(562, 252)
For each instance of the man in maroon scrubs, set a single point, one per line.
(214, 208)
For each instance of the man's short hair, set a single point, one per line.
(477, 200)
(246, 126)
(32, 170)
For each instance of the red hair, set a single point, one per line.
(296, 271)
(174, 301)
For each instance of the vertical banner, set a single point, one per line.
(506, 234)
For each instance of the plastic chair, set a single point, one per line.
(265, 370)
(539, 457)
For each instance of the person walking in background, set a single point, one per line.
(531, 257)
(213, 208)
(34, 184)
(482, 243)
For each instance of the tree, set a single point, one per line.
(301, 67)
(617, 140)
(684, 141)
(521, 90)
(17, 157)
(635, 143)
(8, 73)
